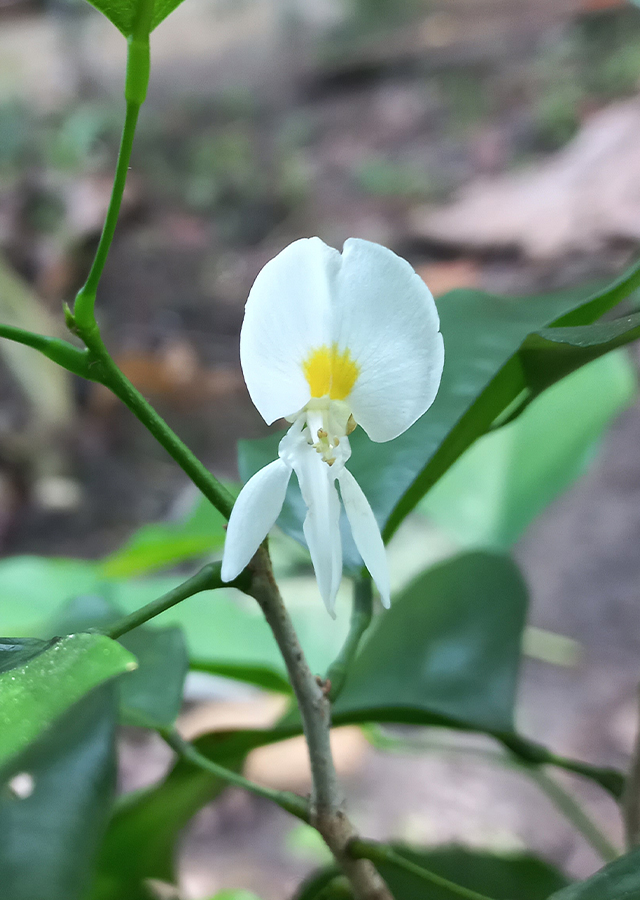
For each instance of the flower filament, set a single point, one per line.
(331, 375)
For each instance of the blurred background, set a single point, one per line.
(496, 145)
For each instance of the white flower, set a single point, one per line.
(330, 341)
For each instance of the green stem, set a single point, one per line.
(135, 92)
(207, 579)
(563, 801)
(84, 308)
(573, 812)
(108, 374)
(95, 364)
(631, 797)
(61, 352)
(100, 367)
(289, 801)
(361, 613)
(381, 853)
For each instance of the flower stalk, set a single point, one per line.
(326, 812)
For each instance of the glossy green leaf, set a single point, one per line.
(55, 799)
(483, 377)
(121, 12)
(493, 492)
(152, 695)
(38, 691)
(164, 544)
(620, 880)
(447, 652)
(513, 877)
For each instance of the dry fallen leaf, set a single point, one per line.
(579, 200)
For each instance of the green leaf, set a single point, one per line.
(500, 877)
(152, 695)
(142, 836)
(121, 13)
(260, 676)
(160, 545)
(447, 652)
(319, 881)
(493, 492)
(483, 376)
(518, 876)
(553, 353)
(37, 691)
(33, 587)
(620, 880)
(53, 819)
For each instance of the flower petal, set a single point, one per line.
(254, 514)
(366, 533)
(322, 523)
(287, 315)
(386, 316)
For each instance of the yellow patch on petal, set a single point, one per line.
(330, 371)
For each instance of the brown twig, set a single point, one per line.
(327, 812)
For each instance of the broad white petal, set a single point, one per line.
(322, 523)
(287, 315)
(254, 514)
(366, 533)
(386, 316)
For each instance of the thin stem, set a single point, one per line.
(207, 579)
(108, 374)
(361, 614)
(561, 799)
(381, 853)
(289, 801)
(61, 352)
(85, 300)
(313, 705)
(572, 811)
(631, 798)
(327, 803)
(100, 366)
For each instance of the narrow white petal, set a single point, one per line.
(287, 315)
(366, 533)
(254, 514)
(322, 523)
(386, 316)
